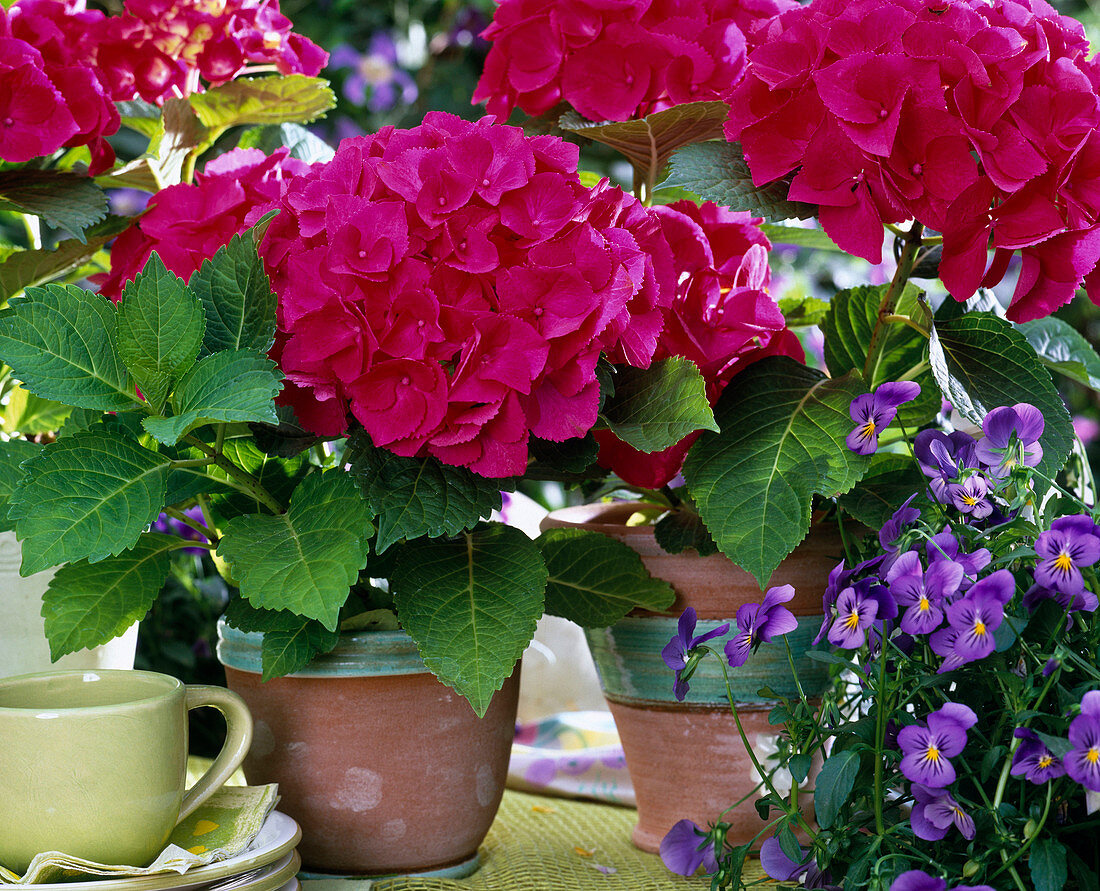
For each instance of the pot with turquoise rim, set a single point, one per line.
(686, 759)
(387, 770)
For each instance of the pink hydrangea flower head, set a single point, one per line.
(452, 287)
(977, 119)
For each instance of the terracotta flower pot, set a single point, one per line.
(686, 759)
(387, 770)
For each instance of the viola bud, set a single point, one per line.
(1030, 828)
(970, 868)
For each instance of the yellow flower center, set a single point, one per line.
(851, 621)
(979, 628)
(869, 428)
(1063, 562)
(1092, 755)
(969, 500)
(924, 604)
(1046, 761)
(932, 754)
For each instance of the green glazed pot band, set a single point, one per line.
(628, 658)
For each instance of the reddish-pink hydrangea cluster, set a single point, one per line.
(187, 223)
(619, 60)
(454, 285)
(722, 319)
(978, 119)
(51, 95)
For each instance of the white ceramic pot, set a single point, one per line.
(23, 644)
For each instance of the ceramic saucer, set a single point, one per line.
(278, 838)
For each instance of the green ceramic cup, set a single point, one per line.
(94, 763)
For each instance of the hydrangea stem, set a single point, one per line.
(891, 298)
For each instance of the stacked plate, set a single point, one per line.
(270, 863)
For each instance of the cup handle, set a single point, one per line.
(238, 738)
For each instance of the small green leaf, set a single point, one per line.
(981, 362)
(233, 385)
(305, 560)
(61, 342)
(471, 604)
(595, 580)
(802, 312)
(291, 98)
(65, 200)
(783, 435)
(88, 604)
(303, 144)
(681, 529)
(278, 476)
(799, 766)
(290, 642)
(1061, 347)
(1047, 862)
(89, 495)
(716, 171)
(237, 298)
(26, 413)
(656, 407)
(413, 497)
(13, 452)
(160, 328)
(834, 784)
(890, 480)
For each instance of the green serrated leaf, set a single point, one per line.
(302, 143)
(412, 497)
(13, 452)
(160, 329)
(278, 476)
(61, 342)
(848, 327)
(89, 495)
(834, 784)
(305, 560)
(573, 456)
(595, 580)
(802, 312)
(783, 440)
(1047, 863)
(890, 480)
(65, 200)
(681, 529)
(26, 413)
(88, 604)
(290, 642)
(981, 362)
(291, 98)
(471, 604)
(1061, 347)
(233, 385)
(237, 298)
(817, 239)
(716, 171)
(649, 142)
(79, 419)
(178, 134)
(656, 407)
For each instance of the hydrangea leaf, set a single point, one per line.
(656, 407)
(139, 115)
(13, 452)
(981, 362)
(88, 604)
(290, 642)
(411, 497)
(595, 580)
(818, 239)
(471, 604)
(555, 460)
(160, 330)
(803, 312)
(303, 144)
(279, 476)
(716, 171)
(649, 142)
(783, 429)
(292, 98)
(681, 529)
(307, 559)
(233, 385)
(890, 480)
(61, 342)
(26, 413)
(1061, 347)
(24, 269)
(65, 200)
(237, 298)
(848, 327)
(89, 495)
(180, 132)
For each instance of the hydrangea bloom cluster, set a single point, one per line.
(454, 286)
(722, 319)
(187, 223)
(161, 48)
(615, 61)
(979, 120)
(51, 93)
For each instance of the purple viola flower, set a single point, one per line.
(922, 593)
(935, 811)
(783, 869)
(918, 880)
(1082, 762)
(944, 546)
(971, 496)
(1083, 601)
(855, 612)
(375, 80)
(1033, 760)
(974, 619)
(893, 528)
(677, 651)
(926, 749)
(873, 413)
(758, 623)
(840, 577)
(1063, 550)
(942, 457)
(686, 847)
(1011, 437)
